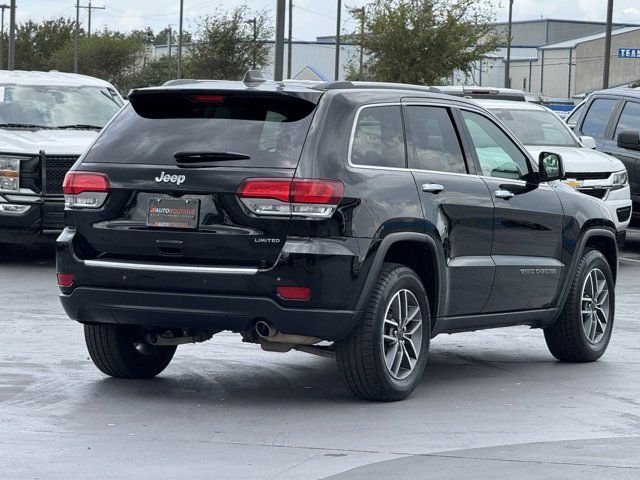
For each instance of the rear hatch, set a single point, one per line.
(174, 160)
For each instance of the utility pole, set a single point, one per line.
(169, 35)
(3, 7)
(75, 38)
(254, 21)
(607, 46)
(507, 65)
(279, 57)
(290, 49)
(90, 8)
(362, 13)
(180, 40)
(338, 25)
(12, 35)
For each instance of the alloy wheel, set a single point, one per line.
(402, 334)
(595, 309)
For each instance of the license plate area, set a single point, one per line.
(173, 213)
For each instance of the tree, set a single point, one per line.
(109, 55)
(224, 46)
(36, 42)
(424, 41)
(155, 72)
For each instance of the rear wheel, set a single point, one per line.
(384, 357)
(583, 330)
(122, 351)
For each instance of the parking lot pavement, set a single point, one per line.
(491, 402)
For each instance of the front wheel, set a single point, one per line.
(384, 357)
(122, 351)
(583, 330)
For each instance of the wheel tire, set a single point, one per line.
(566, 338)
(113, 350)
(361, 356)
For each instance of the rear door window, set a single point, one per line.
(597, 119)
(630, 118)
(378, 138)
(434, 140)
(269, 129)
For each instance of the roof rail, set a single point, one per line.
(253, 76)
(333, 85)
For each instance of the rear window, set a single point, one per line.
(269, 129)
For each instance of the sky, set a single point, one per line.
(311, 18)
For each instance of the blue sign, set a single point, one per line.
(629, 53)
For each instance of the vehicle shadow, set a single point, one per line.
(27, 255)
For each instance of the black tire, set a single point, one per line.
(113, 350)
(361, 355)
(566, 338)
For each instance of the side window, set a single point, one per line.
(595, 123)
(378, 139)
(572, 119)
(434, 139)
(630, 118)
(497, 154)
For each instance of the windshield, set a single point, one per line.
(537, 127)
(57, 106)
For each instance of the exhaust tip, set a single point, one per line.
(263, 329)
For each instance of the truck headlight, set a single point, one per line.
(620, 180)
(9, 174)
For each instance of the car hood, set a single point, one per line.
(580, 159)
(52, 142)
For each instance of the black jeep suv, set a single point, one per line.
(355, 221)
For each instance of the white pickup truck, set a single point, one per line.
(47, 120)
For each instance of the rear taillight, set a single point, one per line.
(294, 293)
(85, 189)
(299, 197)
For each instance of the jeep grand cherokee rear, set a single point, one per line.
(342, 220)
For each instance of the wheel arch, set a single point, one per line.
(601, 239)
(417, 251)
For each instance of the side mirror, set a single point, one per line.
(588, 142)
(629, 139)
(550, 167)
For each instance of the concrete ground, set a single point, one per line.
(493, 404)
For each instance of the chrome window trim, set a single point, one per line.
(353, 135)
(169, 268)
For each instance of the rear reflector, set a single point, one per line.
(77, 182)
(294, 293)
(65, 279)
(299, 197)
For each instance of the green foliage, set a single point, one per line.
(155, 72)
(109, 55)
(423, 41)
(37, 42)
(224, 46)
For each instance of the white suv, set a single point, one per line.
(47, 120)
(587, 170)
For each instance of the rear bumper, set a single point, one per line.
(202, 311)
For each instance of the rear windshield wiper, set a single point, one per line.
(197, 157)
(79, 126)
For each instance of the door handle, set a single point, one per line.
(504, 194)
(432, 187)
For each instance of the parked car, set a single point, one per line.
(587, 170)
(612, 117)
(298, 215)
(573, 116)
(483, 92)
(47, 119)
